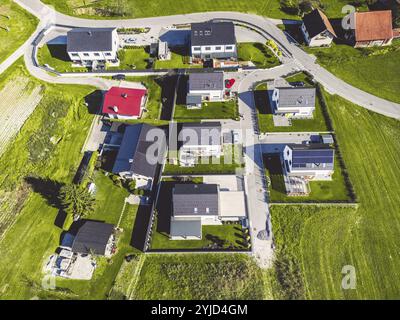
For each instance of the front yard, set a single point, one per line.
(265, 114)
(209, 110)
(179, 60)
(257, 53)
(321, 191)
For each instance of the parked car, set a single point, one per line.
(229, 83)
(119, 77)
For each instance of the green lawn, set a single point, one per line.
(132, 58)
(375, 70)
(20, 24)
(230, 236)
(134, 8)
(315, 243)
(204, 276)
(209, 110)
(257, 53)
(33, 236)
(179, 60)
(264, 111)
(321, 191)
(56, 57)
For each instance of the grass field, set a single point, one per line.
(314, 244)
(264, 111)
(375, 70)
(257, 53)
(135, 9)
(209, 110)
(204, 276)
(20, 25)
(132, 58)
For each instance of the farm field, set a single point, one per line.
(374, 70)
(20, 25)
(309, 261)
(134, 9)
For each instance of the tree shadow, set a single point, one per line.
(47, 188)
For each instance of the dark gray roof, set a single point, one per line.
(132, 155)
(195, 200)
(317, 22)
(193, 99)
(296, 97)
(206, 81)
(92, 236)
(89, 39)
(313, 156)
(186, 228)
(212, 33)
(205, 133)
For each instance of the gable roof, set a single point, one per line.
(204, 133)
(373, 25)
(212, 33)
(316, 22)
(92, 236)
(186, 228)
(206, 81)
(132, 155)
(127, 101)
(195, 200)
(298, 97)
(90, 39)
(312, 156)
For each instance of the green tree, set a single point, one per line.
(76, 201)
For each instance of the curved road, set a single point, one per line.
(304, 61)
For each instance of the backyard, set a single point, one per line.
(257, 53)
(16, 26)
(264, 111)
(179, 60)
(209, 110)
(133, 58)
(56, 57)
(313, 243)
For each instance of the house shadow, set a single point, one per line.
(139, 231)
(176, 37)
(59, 51)
(181, 91)
(94, 101)
(168, 86)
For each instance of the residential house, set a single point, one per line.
(124, 103)
(142, 150)
(90, 237)
(373, 28)
(91, 46)
(195, 205)
(310, 162)
(317, 30)
(292, 102)
(213, 40)
(207, 86)
(199, 140)
(164, 53)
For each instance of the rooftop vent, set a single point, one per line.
(90, 33)
(115, 108)
(300, 100)
(124, 95)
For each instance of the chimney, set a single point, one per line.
(124, 95)
(115, 108)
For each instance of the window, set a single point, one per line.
(196, 48)
(108, 54)
(86, 54)
(97, 54)
(75, 54)
(208, 48)
(218, 48)
(229, 48)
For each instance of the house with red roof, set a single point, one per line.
(124, 103)
(373, 28)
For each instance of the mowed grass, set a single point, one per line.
(136, 9)
(209, 110)
(205, 276)
(56, 57)
(257, 53)
(314, 244)
(374, 70)
(20, 26)
(132, 58)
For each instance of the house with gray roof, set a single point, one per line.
(93, 45)
(213, 40)
(311, 162)
(199, 140)
(195, 205)
(142, 150)
(293, 102)
(204, 86)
